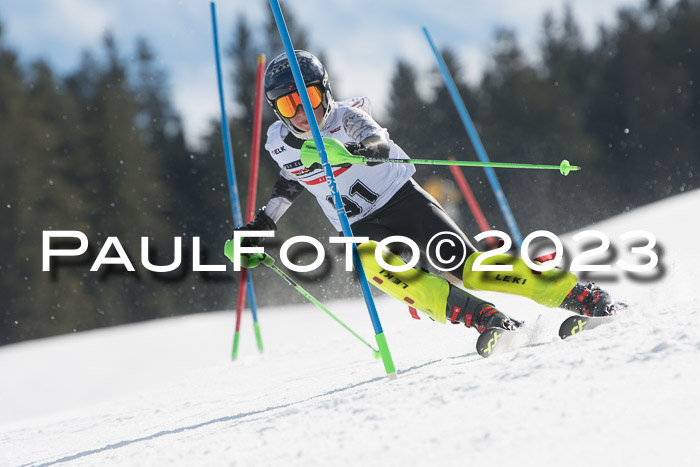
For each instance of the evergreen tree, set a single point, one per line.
(11, 105)
(102, 151)
(646, 103)
(407, 112)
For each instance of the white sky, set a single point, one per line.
(362, 39)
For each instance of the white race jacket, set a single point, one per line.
(363, 189)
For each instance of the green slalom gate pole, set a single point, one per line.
(312, 299)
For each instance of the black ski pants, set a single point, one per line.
(412, 212)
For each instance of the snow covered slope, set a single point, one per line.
(165, 392)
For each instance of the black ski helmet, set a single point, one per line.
(280, 82)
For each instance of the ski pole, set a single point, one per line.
(564, 167)
(269, 261)
(312, 299)
(338, 154)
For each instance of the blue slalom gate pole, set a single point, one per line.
(232, 186)
(476, 142)
(330, 178)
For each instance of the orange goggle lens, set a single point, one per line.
(287, 105)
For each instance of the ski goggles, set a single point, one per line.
(287, 105)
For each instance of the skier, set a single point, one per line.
(382, 200)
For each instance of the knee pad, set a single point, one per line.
(548, 288)
(419, 289)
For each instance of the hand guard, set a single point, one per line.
(338, 156)
(248, 261)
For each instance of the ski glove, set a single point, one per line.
(373, 146)
(261, 222)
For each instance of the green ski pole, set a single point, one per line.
(338, 155)
(564, 167)
(269, 261)
(312, 299)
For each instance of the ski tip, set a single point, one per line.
(576, 324)
(488, 341)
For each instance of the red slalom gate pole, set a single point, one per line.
(252, 191)
(472, 202)
(255, 144)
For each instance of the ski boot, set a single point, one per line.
(464, 308)
(591, 300)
